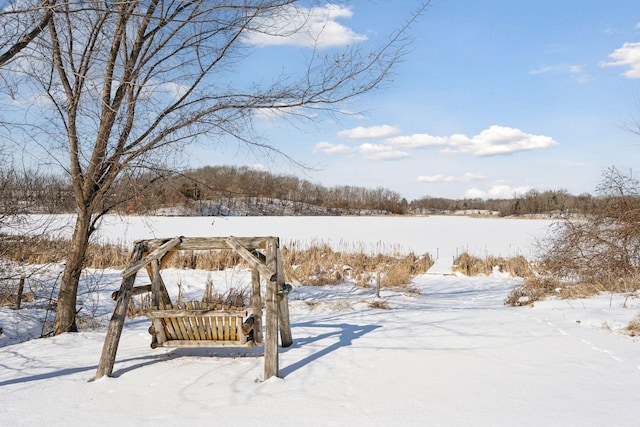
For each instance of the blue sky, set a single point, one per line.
(494, 98)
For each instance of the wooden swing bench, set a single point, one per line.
(196, 324)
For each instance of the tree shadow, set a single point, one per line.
(345, 332)
(177, 353)
(70, 371)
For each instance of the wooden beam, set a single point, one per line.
(112, 339)
(271, 363)
(267, 272)
(283, 304)
(209, 243)
(154, 255)
(256, 307)
(137, 290)
(160, 293)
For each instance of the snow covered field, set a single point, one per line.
(450, 354)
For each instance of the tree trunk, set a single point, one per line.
(65, 320)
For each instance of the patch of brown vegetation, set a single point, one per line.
(533, 289)
(633, 328)
(315, 264)
(470, 265)
(319, 265)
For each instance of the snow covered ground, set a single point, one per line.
(447, 352)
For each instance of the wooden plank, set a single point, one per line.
(155, 254)
(169, 330)
(214, 328)
(200, 320)
(112, 338)
(172, 322)
(181, 311)
(193, 323)
(202, 344)
(234, 328)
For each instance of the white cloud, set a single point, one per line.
(259, 167)
(627, 55)
(418, 140)
(175, 90)
(475, 193)
(504, 191)
(315, 27)
(380, 152)
(541, 70)
(497, 191)
(496, 140)
(329, 148)
(467, 177)
(360, 132)
(576, 72)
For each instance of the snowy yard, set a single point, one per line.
(446, 353)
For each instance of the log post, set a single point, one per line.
(256, 307)
(271, 368)
(283, 304)
(158, 288)
(112, 339)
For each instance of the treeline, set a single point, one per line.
(533, 202)
(34, 192)
(229, 190)
(228, 184)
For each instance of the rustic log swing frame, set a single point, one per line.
(261, 253)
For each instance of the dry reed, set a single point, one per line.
(470, 265)
(314, 263)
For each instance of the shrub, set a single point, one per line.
(533, 289)
(600, 252)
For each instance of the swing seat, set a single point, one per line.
(196, 324)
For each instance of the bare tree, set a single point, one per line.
(130, 81)
(603, 248)
(21, 23)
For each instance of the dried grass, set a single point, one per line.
(382, 305)
(633, 328)
(320, 265)
(314, 264)
(533, 289)
(470, 265)
(43, 250)
(536, 288)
